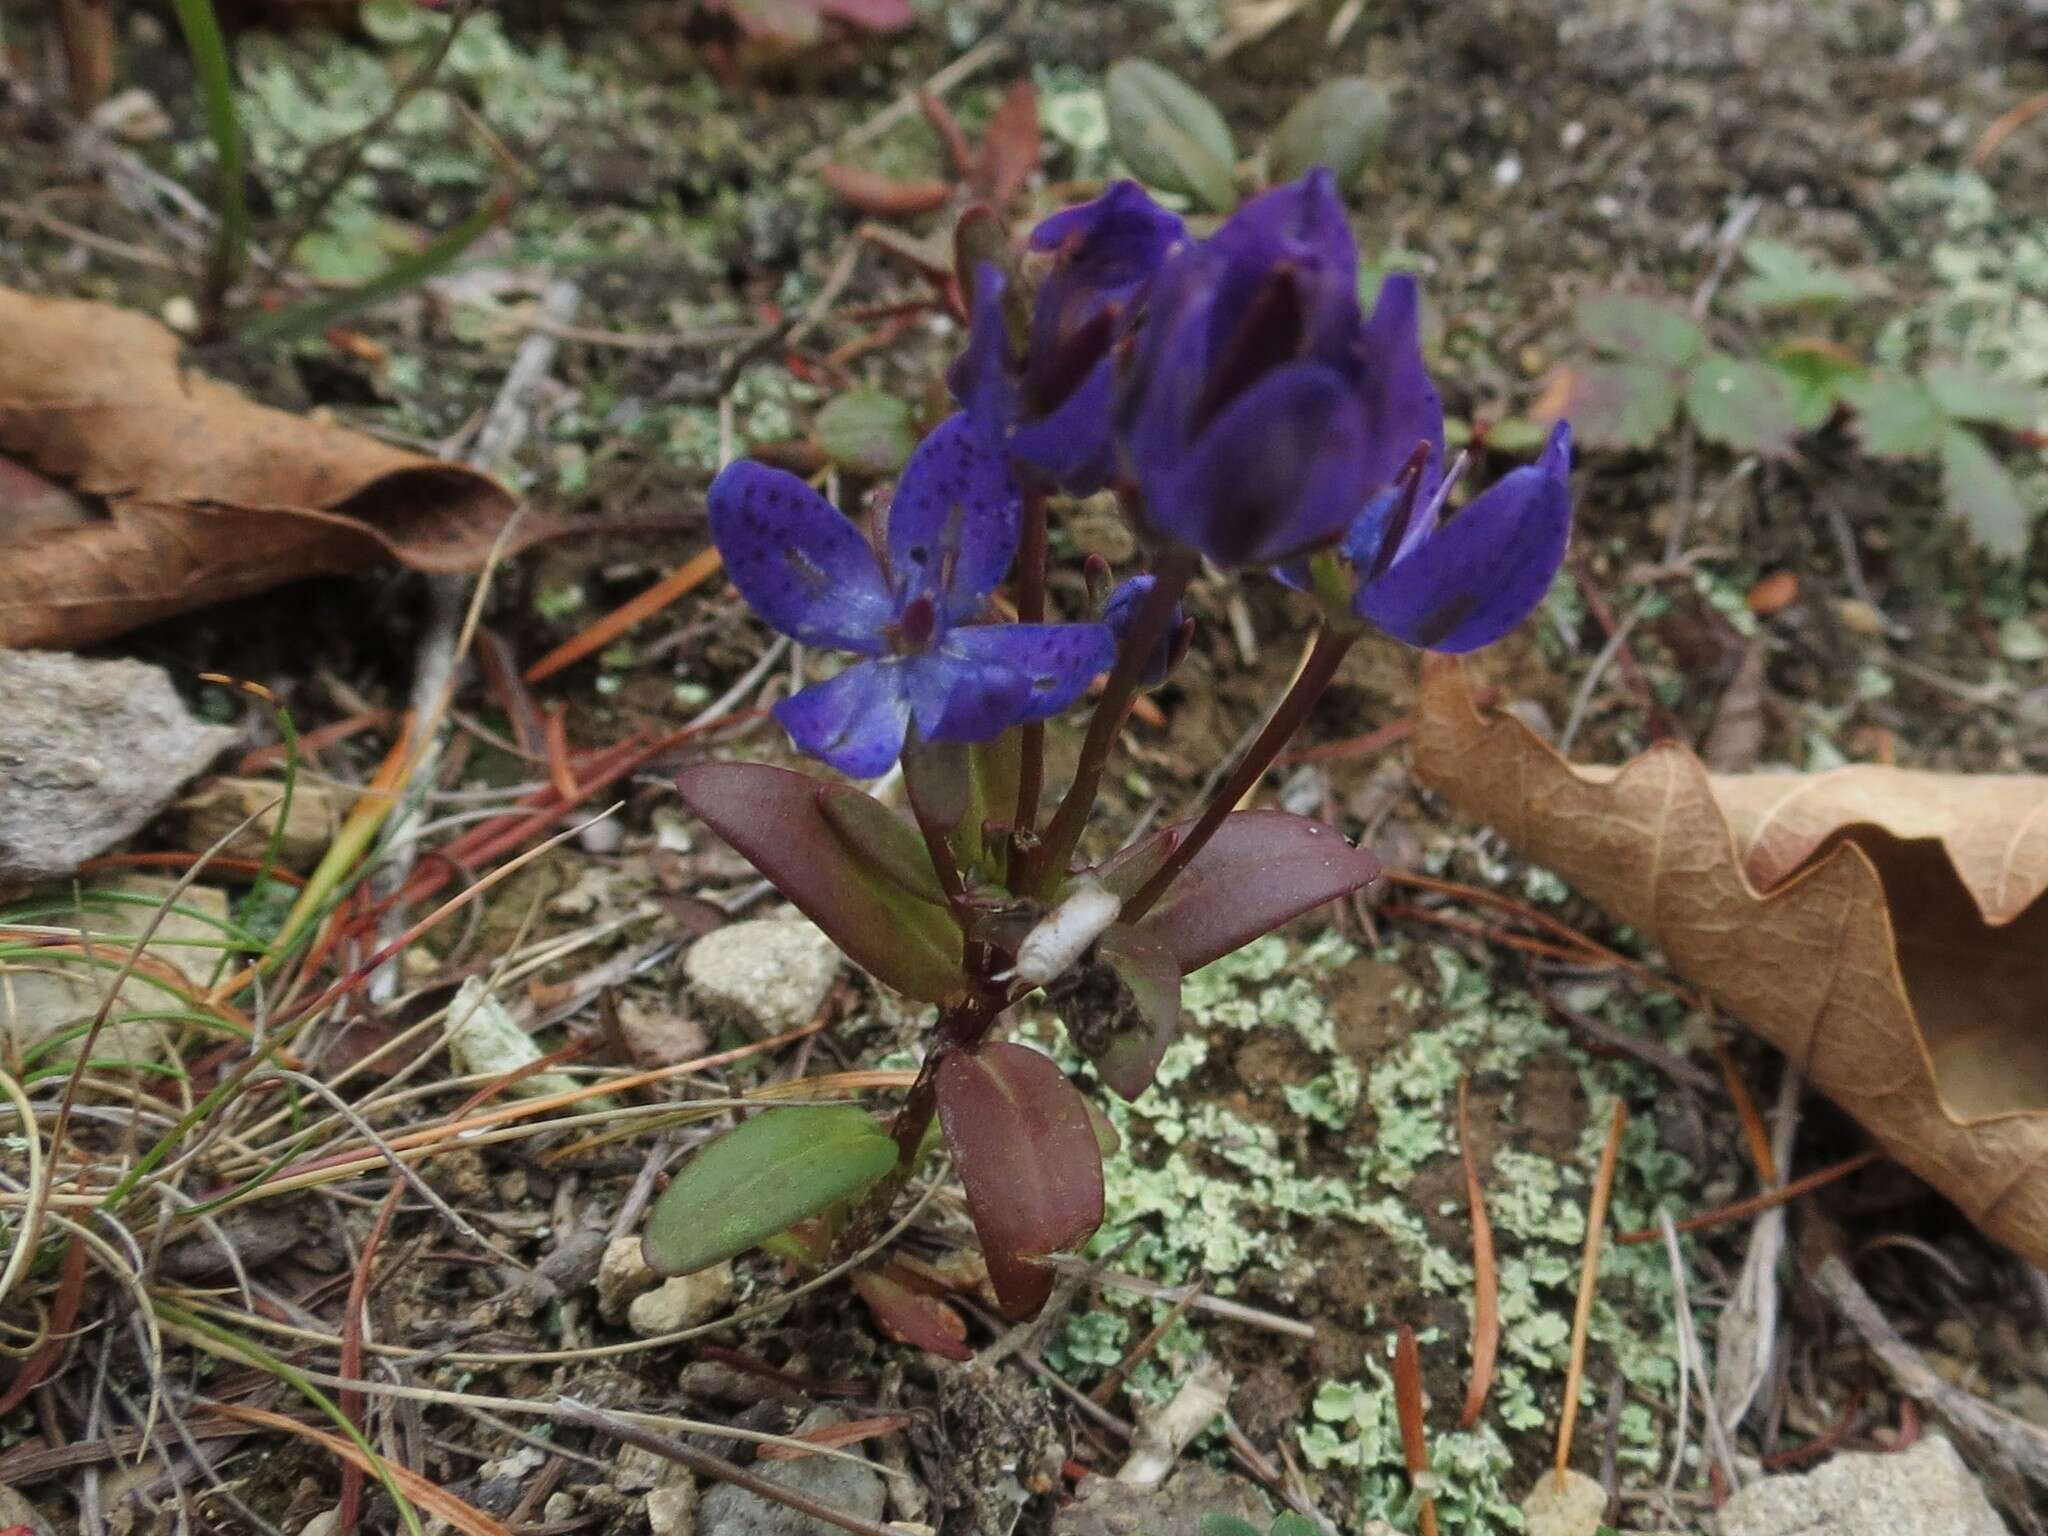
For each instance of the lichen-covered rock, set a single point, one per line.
(89, 751)
(767, 975)
(1924, 1489)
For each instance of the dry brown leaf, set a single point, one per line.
(208, 495)
(1884, 928)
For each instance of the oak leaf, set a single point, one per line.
(206, 494)
(1883, 927)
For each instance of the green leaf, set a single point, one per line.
(1983, 495)
(1287, 1523)
(871, 831)
(867, 431)
(1970, 395)
(1742, 405)
(1784, 278)
(1897, 417)
(1621, 405)
(777, 1169)
(1815, 376)
(1226, 1525)
(1170, 134)
(1340, 124)
(1640, 330)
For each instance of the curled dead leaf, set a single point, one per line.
(1882, 927)
(207, 495)
(884, 196)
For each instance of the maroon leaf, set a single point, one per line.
(776, 819)
(911, 1316)
(872, 192)
(1259, 870)
(870, 15)
(950, 133)
(1010, 148)
(1026, 1150)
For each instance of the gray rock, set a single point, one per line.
(89, 751)
(767, 975)
(1105, 1507)
(15, 1509)
(681, 1303)
(672, 1511)
(623, 1276)
(58, 996)
(1924, 1489)
(1571, 1506)
(843, 1485)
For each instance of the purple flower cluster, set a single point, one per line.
(1244, 406)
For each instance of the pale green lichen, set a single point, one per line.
(1202, 1188)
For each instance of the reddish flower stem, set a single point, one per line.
(1324, 658)
(1049, 861)
(1031, 553)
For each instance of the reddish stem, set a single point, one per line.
(1031, 553)
(1176, 569)
(1293, 709)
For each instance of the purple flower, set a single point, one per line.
(1121, 613)
(909, 611)
(1261, 409)
(1461, 584)
(1053, 405)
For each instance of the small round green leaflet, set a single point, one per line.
(775, 1170)
(1170, 134)
(867, 431)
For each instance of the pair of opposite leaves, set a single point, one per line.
(1886, 929)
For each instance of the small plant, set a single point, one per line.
(1653, 358)
(1244, 410)
(1173, 136)
(228, 260)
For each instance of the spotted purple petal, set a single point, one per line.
(800, 564)
(855, 722)
(953, 525)
(1009, 674)
(1483, 572)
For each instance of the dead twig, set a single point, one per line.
(2023, 1445)
(1702, 1370)
(568, 1410)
